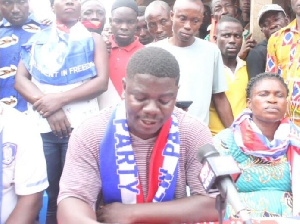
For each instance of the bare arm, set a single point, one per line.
(192, 209)
(26, 210)
(73, 210)
(89, 90)
(223, 108)
(25, 86)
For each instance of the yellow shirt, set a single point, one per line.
(236, 94)
(284, 59)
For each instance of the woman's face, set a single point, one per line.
(268, 101)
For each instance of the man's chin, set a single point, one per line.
(161, 37)
(232, 57)
(145, 41)
(17, 22)
(124, 42)
(186, 40)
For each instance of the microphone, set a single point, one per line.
(216, 171)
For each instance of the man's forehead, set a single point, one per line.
(123, 12)
(221, 2)
(93, 5)
(187, 5)
(230, 30)
(141, 19)
(229, 27)
(159, 12)
(145, 79)
(141, 22)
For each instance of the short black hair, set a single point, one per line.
(153, 61)
(228, 19)
(124, 3)
(262, 76)
(141, 10)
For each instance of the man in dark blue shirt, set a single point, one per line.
(16, 28)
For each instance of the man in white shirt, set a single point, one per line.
(201, 67)
(23, 169)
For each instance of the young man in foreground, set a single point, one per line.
(110, 160)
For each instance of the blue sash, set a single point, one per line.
(1, 172)
(119, 173)
(58, 58)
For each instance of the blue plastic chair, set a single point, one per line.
(43, 212)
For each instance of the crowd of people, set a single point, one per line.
(106, 114)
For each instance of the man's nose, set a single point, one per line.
(16, 8)
(273, 26)
(187, 25)
(224, 11)
(95, 16)
(151, 108)
(143, 32)
(232, 39)
(124, 26)
(159, 29)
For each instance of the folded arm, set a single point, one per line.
(57, 120)
(50, 103)
(76, 211)
(197, 208)
(191, 209)
(89, 90)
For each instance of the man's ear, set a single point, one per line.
(287, 20)
(124, 83)
(215, 38)
(248, 102)
(171, 15)
(110, 21)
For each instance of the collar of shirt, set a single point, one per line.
(240, 63)
(292, 27)
(31, 18)
(126, 48)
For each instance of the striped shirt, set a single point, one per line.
(81, 175)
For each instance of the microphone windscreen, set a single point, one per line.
(206, 151)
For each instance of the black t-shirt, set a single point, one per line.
(256, 59)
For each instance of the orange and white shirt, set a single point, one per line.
(284, 58)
